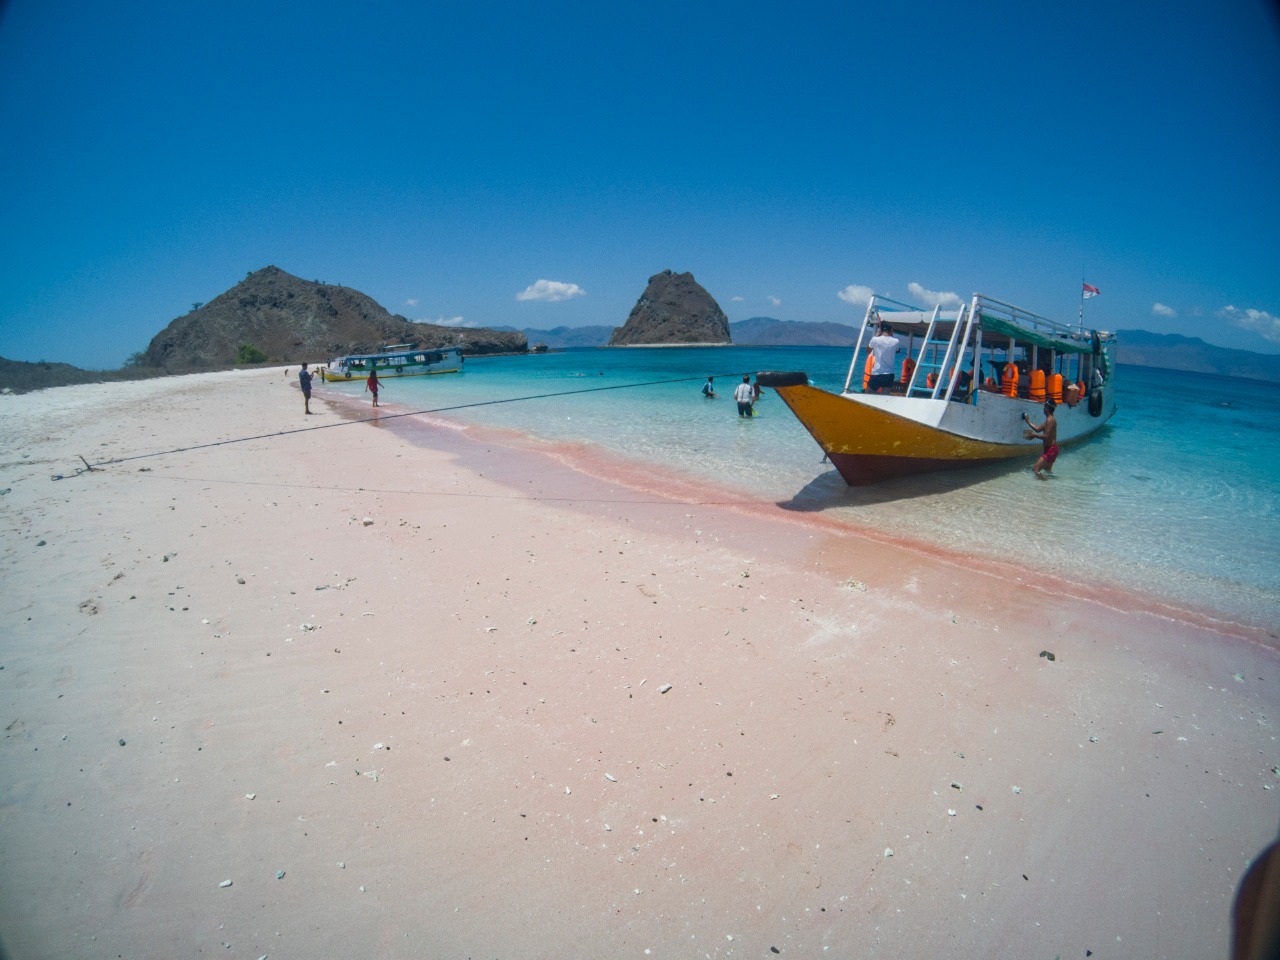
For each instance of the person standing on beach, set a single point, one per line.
(708, 389)
(745, 396)
(372, 385)
(304, 380)
(883, 348)
(1048, 434)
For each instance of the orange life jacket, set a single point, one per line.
(866, 372)
(1037, 386)
(1055, 387)
(1009, 380)
(908, 368)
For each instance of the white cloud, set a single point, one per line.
(1160, 310)
(551, 291)
(1260, 322)
(450, 322)
(412, 302)
(774, 301)
(932, 298)
(856, 294)
(737, 299)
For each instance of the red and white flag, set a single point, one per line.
(1089, 291)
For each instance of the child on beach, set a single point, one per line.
(372, 385)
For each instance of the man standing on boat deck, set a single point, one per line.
(1048, 434)
(883, 348)
(304, 380)
(745, 396)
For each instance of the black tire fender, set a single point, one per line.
(1095, 402)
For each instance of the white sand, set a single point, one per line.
(503, 630)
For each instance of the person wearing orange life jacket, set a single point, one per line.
(908, 368)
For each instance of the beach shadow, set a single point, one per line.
(830, 490)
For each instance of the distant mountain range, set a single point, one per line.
(1175, 352)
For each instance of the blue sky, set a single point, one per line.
(446, 157)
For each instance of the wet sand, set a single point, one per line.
(531, 709)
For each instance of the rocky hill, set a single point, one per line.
(19, 376)
(674, 308)
(290, 319)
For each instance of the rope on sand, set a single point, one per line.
(88, 467)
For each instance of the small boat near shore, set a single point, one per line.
(959, 396)
(399, 360)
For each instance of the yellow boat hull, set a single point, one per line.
(868, 443)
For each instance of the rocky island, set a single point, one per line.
(673, 310)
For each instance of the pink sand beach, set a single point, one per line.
(399, 689)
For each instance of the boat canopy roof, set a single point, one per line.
(1068, 343)
(1026, 328)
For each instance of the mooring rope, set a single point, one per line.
(89, 467)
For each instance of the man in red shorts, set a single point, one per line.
(1048, 434)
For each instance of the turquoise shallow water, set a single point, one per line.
(1178, 496)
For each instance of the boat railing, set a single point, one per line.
(1024, 318)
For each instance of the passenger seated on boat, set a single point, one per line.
(964, 386)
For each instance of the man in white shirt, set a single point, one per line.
(745, 396)
(883, 348)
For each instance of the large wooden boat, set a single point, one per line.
(400, 360)
(966, 379)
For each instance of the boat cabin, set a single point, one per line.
(985, 346)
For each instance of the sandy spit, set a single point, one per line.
(417, 692)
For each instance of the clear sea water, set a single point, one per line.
(1177, 496)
